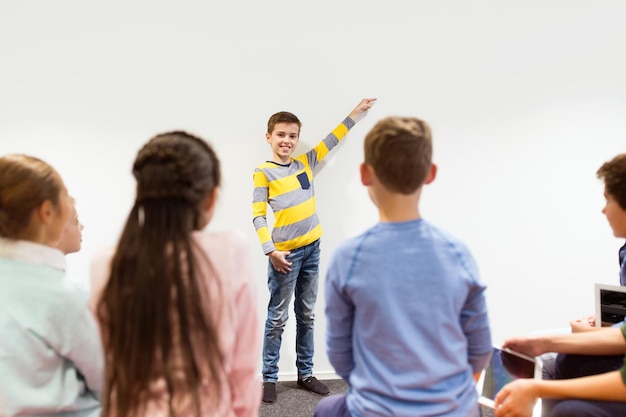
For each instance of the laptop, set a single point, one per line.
(505, 366)
(610, 304)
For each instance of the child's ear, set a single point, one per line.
(432, 173)
(366, 174)
(207, 208)
(211, 199)
(267, 137)
(46, 212)
(43, 219)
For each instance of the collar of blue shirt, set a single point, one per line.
(31, 252)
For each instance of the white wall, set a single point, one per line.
(526, 100)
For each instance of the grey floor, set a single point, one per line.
(295, 402)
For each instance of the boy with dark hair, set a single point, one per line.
(613, 173)
(407, 324)
(286, 184)
(582, 353)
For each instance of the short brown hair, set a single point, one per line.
(613, 173)
(26, 183)
(282, 117)
(400, 149)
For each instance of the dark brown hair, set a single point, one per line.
(282, 117)
(26, 183)
(613, 173)
(154, 309)
(399, 149)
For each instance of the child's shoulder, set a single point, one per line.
(353, 243)
(442, 233)
(222, 241)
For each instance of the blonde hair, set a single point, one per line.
(26, 183)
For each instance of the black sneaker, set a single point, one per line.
(269, 392)
(312, 384)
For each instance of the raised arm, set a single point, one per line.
(363, 106)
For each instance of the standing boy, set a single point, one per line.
(407, 324)
(286, 184)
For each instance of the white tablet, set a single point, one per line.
(505, 366)
(610, 304)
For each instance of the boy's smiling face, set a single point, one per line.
(616, 216)
(283, 140)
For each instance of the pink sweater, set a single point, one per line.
(238, 326)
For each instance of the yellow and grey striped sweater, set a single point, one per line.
(288, 189)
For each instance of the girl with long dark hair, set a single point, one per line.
(176, 306)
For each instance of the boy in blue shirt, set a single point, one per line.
(407, 324)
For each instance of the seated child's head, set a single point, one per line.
(177, 172)
(399, 150)
(613, 173)
(34, 204)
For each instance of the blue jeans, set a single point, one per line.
(301, 281)
(566, 366)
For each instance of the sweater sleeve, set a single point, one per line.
(99, 271)
(340, 319)
(475, 320)
(319, 152)
(244, 384)
(80, 342)
(260, 199)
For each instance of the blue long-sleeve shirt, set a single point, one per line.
(407, 323)
(622, 265)
(51, 361)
